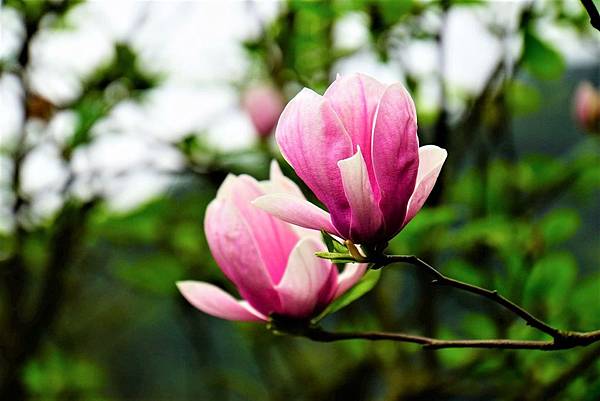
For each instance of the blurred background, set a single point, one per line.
(119, 119)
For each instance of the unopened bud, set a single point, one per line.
(264, 104)
(587, 107)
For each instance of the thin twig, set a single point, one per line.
(318, 334)
(561, 339)
(493, 295)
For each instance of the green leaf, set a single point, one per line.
(365, 285)
(462, 270)
(428, 223)
(466, 2)
(332, 244)
(537, 173)
(550, 282)
(541, 59)
(559, 225)
(393, 11)
(54, 373)
(522, 97)
(585, 294)
(495, 231)
(454, 358)
(156, 273)
(587, 182)
(479, 326)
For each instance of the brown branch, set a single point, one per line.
(568, 339)
(493, 295)
(592, 12)
(66, 239)
(65, 243)
(303, 329)
(560, 339)
(318, 334)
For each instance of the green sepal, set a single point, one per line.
(332, 244)
(366, 284)
(336, 257)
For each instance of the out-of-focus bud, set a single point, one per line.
(587, 107)
(264, 104)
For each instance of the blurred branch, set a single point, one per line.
(25, 328)
(592, 11)
(27, 336)
(64, 242)
(15, 273)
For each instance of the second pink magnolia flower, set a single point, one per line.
(272, 264)
(356, 148)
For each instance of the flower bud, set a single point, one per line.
(587, 107)
(264, 105)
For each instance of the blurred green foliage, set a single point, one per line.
(90, 309)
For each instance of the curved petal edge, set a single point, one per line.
(431, 160)
(307, 281)
(366, 218)
(297, 211)
(351, 275)
(216, 302)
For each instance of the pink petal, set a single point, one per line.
(431, 160)
(366, 218)
(350, 276)
(307, 280)
(216, 302)
(226, 188)
(279, 183)
(229, 237)
(395, 154)
(355, 98)
(297, 211)
(312, 139)
(274, 238)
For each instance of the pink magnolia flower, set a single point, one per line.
(264, 105)
(272, 263)
(356, 148)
